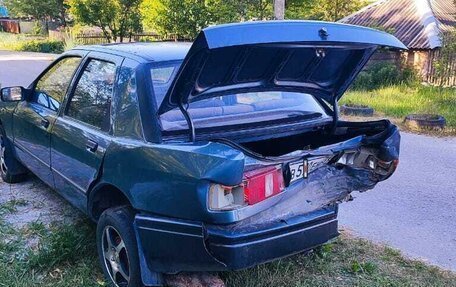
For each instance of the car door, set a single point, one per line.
(82, 132)
(34, 117)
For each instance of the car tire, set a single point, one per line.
(426, 121)
(117, 247)
(357, 111)
(11, 170)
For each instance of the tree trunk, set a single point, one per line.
(279, 9)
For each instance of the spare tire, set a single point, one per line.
(357, 110)
(427, 121)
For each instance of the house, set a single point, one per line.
(419, 24)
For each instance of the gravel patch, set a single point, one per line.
(35, 202)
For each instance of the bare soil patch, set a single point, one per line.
(33, 201)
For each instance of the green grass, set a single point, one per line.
(9, 41)
(11, 206)
(399, 101)
(346, 262)
(30, 43)
(66, 256)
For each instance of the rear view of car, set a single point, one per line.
(219, 155)
(260, 100)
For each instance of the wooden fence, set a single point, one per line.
(99, 38)
(442, 76)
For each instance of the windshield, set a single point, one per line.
(234, 109)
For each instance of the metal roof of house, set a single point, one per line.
(417, 23)
(3, 11)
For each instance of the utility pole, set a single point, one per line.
(279, 9)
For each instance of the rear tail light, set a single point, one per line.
(257, 186)
(262, 183)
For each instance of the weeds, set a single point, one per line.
(363, 267)
(345, 262)
(29, 43)
(11, 206)
(384, 74)
(64, 245)
(66, 257)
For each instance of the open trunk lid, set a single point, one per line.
(319, 58)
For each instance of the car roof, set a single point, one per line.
(144, 52)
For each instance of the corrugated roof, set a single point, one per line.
(417, 23)
(445, 12)
(3, 11)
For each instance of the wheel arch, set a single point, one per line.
(103, 196)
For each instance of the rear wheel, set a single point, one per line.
(8, 164)
(117, 247)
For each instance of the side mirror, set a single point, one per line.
(12, 94)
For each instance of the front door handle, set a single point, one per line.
(44, 123)
(91, 146)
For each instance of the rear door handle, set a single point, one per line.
(45, 123)
(91, 146)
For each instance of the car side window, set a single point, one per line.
(91, 100)
(51, 88)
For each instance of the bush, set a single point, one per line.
(384, 74)
(42, 46)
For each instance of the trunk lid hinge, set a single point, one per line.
(188, 119)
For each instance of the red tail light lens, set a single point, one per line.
(257, 186)
(262, 183)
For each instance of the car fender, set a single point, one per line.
(171, 179)
(6, 118)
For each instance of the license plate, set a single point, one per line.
(298, 170)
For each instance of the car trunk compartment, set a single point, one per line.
(372, 133)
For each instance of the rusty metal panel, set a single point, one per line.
(10, 26)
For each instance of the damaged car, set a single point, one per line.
(217, 155)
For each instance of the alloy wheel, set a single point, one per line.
(116, 257)
(3, 167)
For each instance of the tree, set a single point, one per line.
(279, 9)
(185, 18)
(260, 9)
(299, 9)
(117, 19)
(334, 10)
(43, 10)
(178, 18)
(227, 11)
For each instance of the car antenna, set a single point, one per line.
(189, 120)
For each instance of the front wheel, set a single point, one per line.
(8, 164)
(117, 247)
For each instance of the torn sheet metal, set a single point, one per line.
(325, 186)
(357, 164)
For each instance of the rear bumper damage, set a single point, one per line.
(300, 218)
(171, 246)
(305, 217)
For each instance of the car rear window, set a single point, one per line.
(233, 109)
(162, 76)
